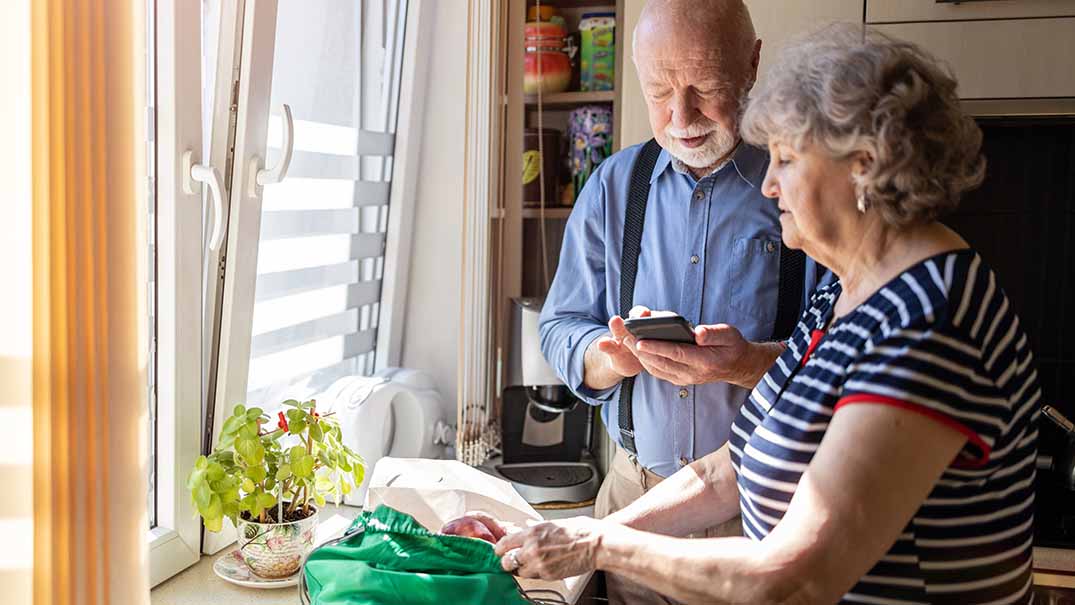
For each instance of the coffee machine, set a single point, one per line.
(546, 431)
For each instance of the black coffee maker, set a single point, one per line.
(546, 432)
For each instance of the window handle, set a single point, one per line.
(203, 173)
(265, 176)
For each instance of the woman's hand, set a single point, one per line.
(553, 550)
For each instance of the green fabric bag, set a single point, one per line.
(388, 558)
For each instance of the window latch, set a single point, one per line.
(204, 173)
(265, 176)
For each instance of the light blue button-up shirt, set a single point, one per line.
(710, 252)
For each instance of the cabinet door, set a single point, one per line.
(889, 11)
(1002, 59)
(774, 21)
(778, 22)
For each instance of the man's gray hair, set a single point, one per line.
(846, 90)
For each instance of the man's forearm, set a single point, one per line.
(762, 357)
(697, 497)
(597, 374)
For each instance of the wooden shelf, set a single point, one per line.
(555, 212)
(608, 5)
(566, 99)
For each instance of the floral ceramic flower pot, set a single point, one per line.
(276, 550)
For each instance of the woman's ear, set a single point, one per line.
(861, 162)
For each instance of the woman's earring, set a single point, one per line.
(862, 202)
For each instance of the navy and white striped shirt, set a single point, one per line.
(940, 340)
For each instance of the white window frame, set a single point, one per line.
(174, 542)
(414, 78)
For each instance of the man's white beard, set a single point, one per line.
(719, 143)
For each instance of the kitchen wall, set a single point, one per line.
(431, 326)
(16, 448)
(775, 21)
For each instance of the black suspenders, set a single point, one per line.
(789, 298)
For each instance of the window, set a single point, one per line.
(321, 244)
(290, 296)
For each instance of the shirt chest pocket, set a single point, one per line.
(755, 278)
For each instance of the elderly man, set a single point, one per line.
(680, 228)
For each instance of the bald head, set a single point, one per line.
(719, 28)
(696, 61)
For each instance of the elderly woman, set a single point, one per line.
(888, 455)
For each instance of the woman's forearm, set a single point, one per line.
(697, 497)
(711, 570)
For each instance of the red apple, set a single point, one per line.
(470, 527)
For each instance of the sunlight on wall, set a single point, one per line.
(16, 442)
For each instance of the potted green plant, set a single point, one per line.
(270, 482)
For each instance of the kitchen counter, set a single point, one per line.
(198, 585)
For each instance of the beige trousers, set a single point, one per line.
(626, 482)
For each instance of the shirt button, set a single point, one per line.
(699, 195)
(694, 259)
(683, 393)
(770, 246)
(683, 461)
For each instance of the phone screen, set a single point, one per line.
(672, 328)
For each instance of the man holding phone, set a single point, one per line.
(680, 229)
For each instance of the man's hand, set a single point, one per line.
(720, 354)
(611, 358)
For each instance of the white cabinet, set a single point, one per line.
(778, 21)
(1001, 59)
(893, 11)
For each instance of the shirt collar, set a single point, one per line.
(748, 161)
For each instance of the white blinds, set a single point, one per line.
(321, 251)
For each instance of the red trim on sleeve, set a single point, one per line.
(815, 337)
(947, 421)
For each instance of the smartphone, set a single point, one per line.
(673, 328)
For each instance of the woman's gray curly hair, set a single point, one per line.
(845, 91)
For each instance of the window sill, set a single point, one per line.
(198, 585)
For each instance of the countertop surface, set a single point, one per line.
(199, 585)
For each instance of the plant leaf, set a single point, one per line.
(265, 500)
(256, 473)
(295, 454)
(196, 476)
(246, 450)
(232, 424)
(324, 484)
(215, 472)
(249, 430)
(254, 413)
(239, 410)
(203, 495)
(283, 472)
(304, 468)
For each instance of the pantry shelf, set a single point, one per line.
(550, 213)
(565, 99)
